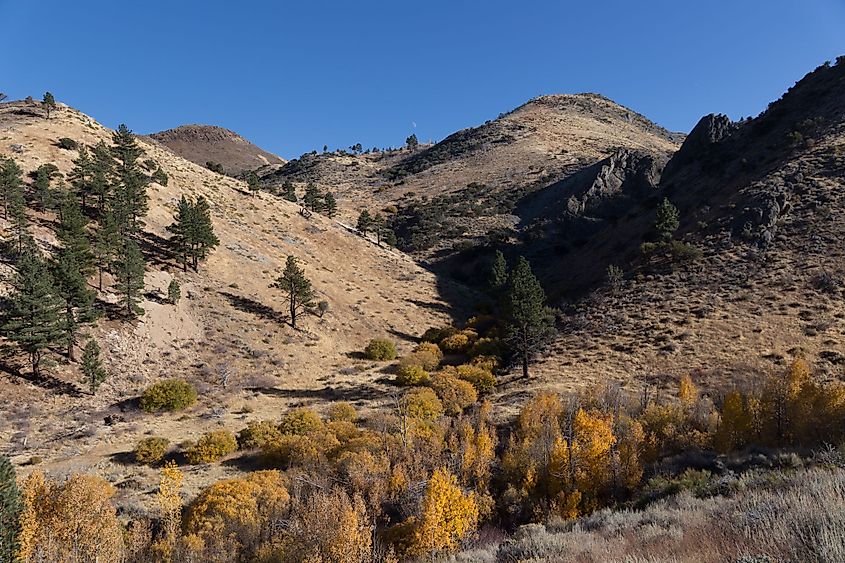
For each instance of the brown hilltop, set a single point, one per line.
(208, 143)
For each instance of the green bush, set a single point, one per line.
(151, 450)
(380, 349)
(435, 334)
(67, 144)
(169, 395)
(212, 447)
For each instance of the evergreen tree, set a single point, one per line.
(102, 169)
(19, 217)
(160, 177)
(11, 181)
(41, 193)
(412, 141)
(530, 322)
(667, 220)
(81, 175)
(92, 367)
(378, 225)
(33, 316)
(106, 245)
(297, 288)
(365, 222)
(181, 231)
(193, 232)
(73, 234)
(312, 199)
(388, 237)
(130, 201)
(288, 191)
(203, 239)
(72, 288)
(129, 270)
(174, 292)
(11, 507)
(253, 183)
(49, 103)
(329, 205)
(498, 274)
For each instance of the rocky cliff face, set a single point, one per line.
(208, 143)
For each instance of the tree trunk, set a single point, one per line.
(525, 364)
(100, 286)
(293, 312)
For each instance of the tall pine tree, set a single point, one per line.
(530, 322)
(72, 288)
(181, 231)
(130, 201)
(11, 507)
(81, 175)
(498, 275)
(106, 245)
(129, 270)
(102, 170)
(11, 182)
(312, 199)
(296, 287)
(33, 320)
(193, 232)
(19, 217)
(330, 205)
(73, 234)
(92, 367)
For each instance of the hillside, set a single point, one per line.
(758, 278)
(229, 321)
(207, 143)
(467, 185)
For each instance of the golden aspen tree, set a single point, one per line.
(447, 515)
(169, 499)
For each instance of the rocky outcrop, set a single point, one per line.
(709, 131)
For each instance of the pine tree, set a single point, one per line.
(312, 199)
(72, 287)
(388, 237)
(378, 225)
(81, 175)
(530, 322)
(412, 141)
(43, 175)
(73, 234)
(102, 169)
(174, 292)
(129, 270)
(297, 288)
(498, 274)
(667, 220)
(130, 201)
(11, 182)
(365, 222)
(329, 205)
(193, 231)
(180, 229)
(49, 103)
(11, 507)
(288, 191)
(19, 217)
(33, 318)
(253, 183)
(106, 245)
(92, 367)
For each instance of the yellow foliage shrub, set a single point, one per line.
(342, 412)
(231, 517)
(257, 433)
(411, 374)
(425, 359)
(455, 394)
(456, 343)
(483, 380)
(430, 348)
(151, 450)
(435, 334)
(211, 447)
(300, 421)
(423, 404)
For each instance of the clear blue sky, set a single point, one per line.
(292, 76)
